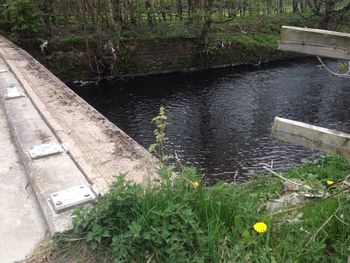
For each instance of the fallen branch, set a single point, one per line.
(310, 203)
(229, 20)
(238, 24)
(285, 179)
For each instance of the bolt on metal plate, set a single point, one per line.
(13, 93)
(67, 199)
(44, 150)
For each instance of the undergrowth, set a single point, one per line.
(179, 220)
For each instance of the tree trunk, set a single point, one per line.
(179, 9)
(148, 4)
(295, 6)
(206, 26)
(132, 11)
(190, 10)
(162, 8)
(280, 6)
(65, 11)
(82, 10)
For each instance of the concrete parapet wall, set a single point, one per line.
(99, 148)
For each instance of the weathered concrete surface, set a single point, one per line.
(100, 148)
(22, 225)
(49, 174)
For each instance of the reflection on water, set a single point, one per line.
(221, 120)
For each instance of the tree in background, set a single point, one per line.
(103, 23)
(20, 17)
(331, 13)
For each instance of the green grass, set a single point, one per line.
(174, 221)
(326, 167)
(260, 26)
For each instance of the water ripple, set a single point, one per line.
(221, 120)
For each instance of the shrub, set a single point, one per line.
(24, 20)
(180, 220)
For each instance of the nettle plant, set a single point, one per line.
(158, 148)
(177, 219)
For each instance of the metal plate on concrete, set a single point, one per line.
(13, 93)
(67, 199)
(44, 150)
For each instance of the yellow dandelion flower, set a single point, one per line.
(195, 184)
(329, 182)
(260, 227)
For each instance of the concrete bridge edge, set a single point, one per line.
(75, 153)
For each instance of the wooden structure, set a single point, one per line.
(315, 42)
(321, 43)
(310, 136)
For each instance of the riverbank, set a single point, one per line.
(172, 46)
(265, 220)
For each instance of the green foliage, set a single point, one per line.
(176, 221)
(157, 148)
(165, 30)
(172, 221)
(23, 18)
(328, 167)
(96, 234)
(3, 14)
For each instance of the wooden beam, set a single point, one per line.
(312, 137)
(315, 42)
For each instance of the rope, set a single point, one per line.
(346, 75)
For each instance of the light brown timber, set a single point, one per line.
(312, 137)
(315, 42)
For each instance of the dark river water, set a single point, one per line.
(220, 121)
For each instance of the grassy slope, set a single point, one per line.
(177, 222)
(227, 45)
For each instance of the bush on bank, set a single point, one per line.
(180, 220)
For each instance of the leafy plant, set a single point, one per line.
(178, 220)
(158, 148)
(96, 234)
(24, 20)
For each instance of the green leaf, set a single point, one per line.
(238, 223)
(247, 237)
